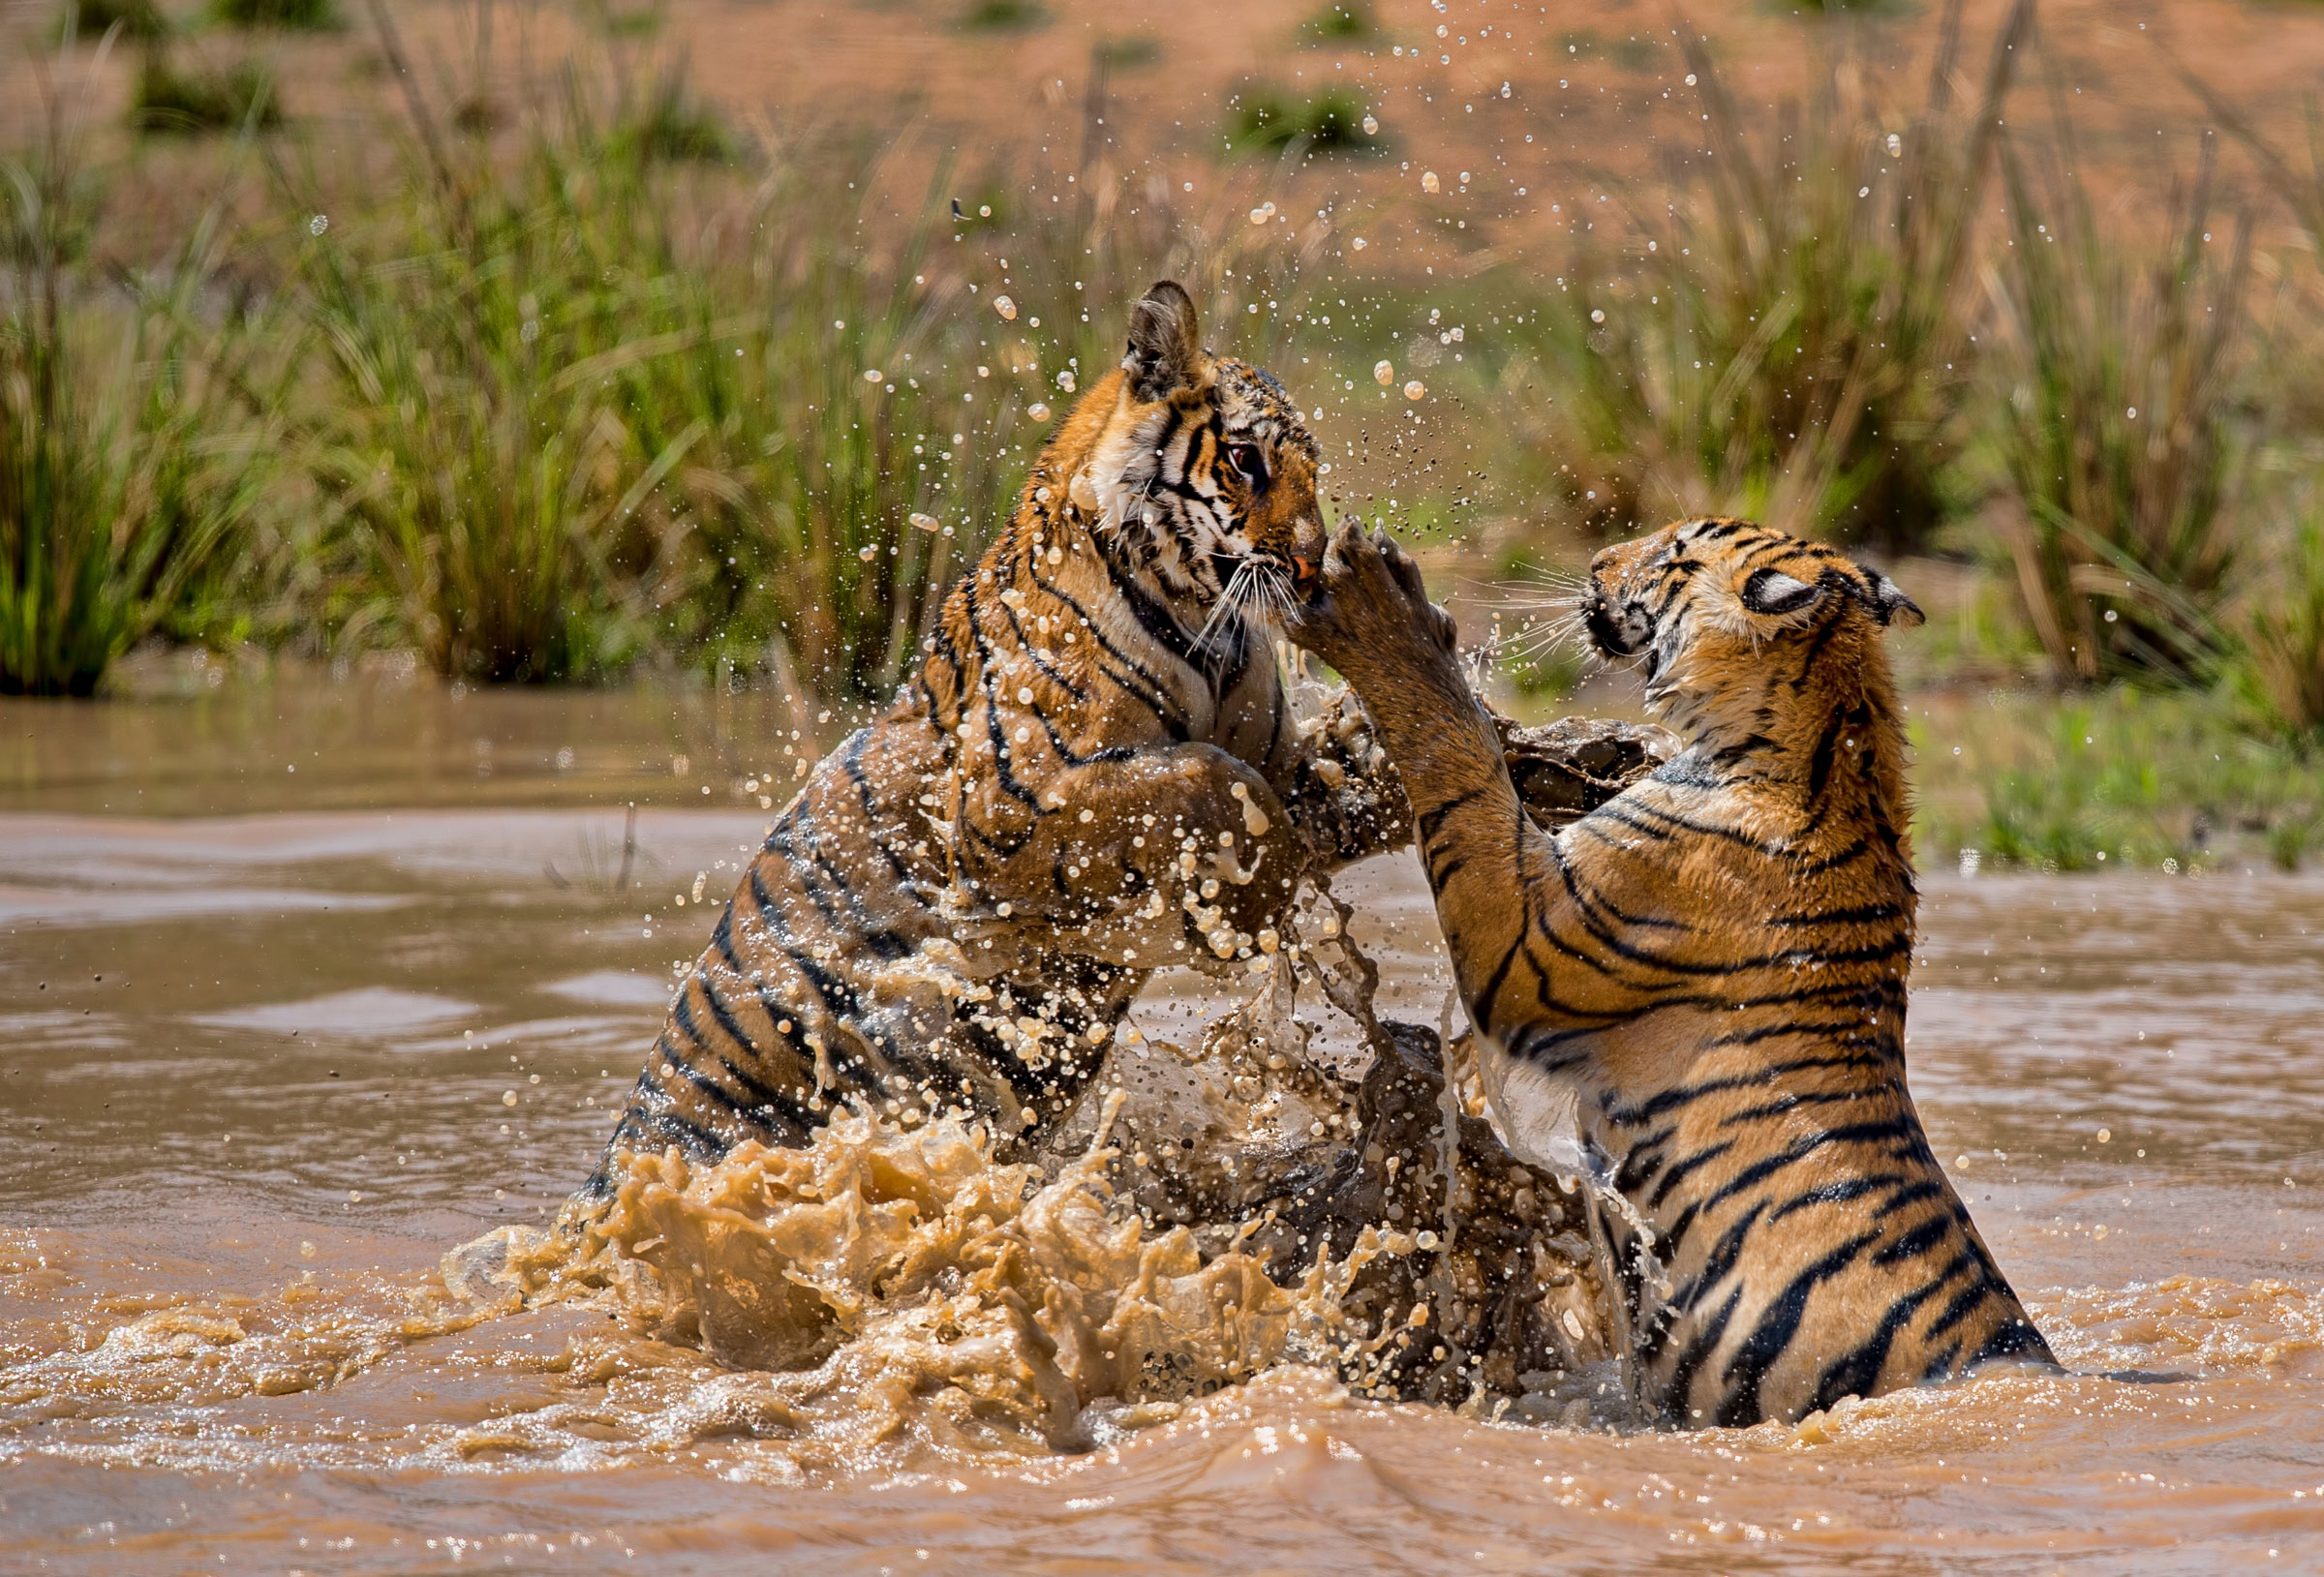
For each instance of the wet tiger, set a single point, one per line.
(1094, 773)
(1695, 995)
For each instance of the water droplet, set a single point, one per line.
(1429, 182)
(1415, 390)
(319, 224)
(1383, 373)
(867, 554)
(1037, 411)
(1371, 126)
(1597, 315)
(871, 375)
(1007, 309)
(923, 522)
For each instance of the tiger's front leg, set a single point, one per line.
(1156, 857)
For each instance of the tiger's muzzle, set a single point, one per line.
(1614, 629)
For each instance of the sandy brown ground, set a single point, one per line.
(1528, 98)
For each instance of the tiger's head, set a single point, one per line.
(1197, 472)
(1704, 603)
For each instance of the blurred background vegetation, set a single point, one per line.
(566, 370)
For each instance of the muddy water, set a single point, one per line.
(264, 1058)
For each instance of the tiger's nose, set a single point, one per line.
(1307, 544)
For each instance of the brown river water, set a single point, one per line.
(273, 1040)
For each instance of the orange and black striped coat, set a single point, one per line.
(1094, 773)
(1695, 995)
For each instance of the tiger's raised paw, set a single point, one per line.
(1370, 611)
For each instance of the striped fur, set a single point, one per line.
(1695, 995)
(1094, 773)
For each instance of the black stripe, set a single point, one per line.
(1841, 1192)
(1917, 1241)
(696, 1141)
(1792, 1099)
(1853, 1132)
(1656, 1106)
(1717, 1266)
(1773, 1334)
(1428, 822)
(1691, 1357)
(1813, 651)
(1152, 616)
(1692, 1164)
(1625, 811)
(1141, 686)
(1862, 915)
(852, 758)
(2013, 1338)
(1857, 1372)
(1026, 645)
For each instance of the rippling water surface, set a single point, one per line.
(266, 1051)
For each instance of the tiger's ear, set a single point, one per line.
(1165, 343)
(1890, 604)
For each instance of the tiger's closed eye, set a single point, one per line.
(1772, 592)
(1246, 462)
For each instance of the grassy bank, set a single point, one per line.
(2118, 778)
(558, 384)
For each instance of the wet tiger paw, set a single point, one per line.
(1370, 608)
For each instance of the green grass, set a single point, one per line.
(628, 22)
(131, 458)
(1129, 51)
(168, 101)
(486, 503)
(1268, 117)
(2115, 425)
(290, 16)
(1340, 21)
(2280, 672)
(1003, 16)
(2116, 778)
(557, 433)
(1773, 331)
(88, 20)
(587, 388)
(670, 125)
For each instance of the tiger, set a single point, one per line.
(1094, 772)
(1693, 997)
